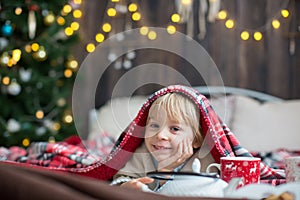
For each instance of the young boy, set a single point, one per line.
(174, 126)
(172, 136)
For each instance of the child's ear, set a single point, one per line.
(197, 142)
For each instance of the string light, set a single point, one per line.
(132, 7)
(285, 13)
(69, 31)
(111, 12)
(77, 13)
(229, 23)
(136, 16)
(275, 24)
(60, 20)
(75, 26)
(257, 36)
(144, 30)
(18, 11)
(175, 18)
(222, 14)
(171, 29)
(152, 35)
(5, 80)
(35, 46)
(26, 142)
(245, 35)
(68, 118)
(106, 27)
(68, 73)
(90, 47)
(39, 114)
(99, 37)
(67, 9)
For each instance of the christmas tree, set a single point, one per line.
(37, 70)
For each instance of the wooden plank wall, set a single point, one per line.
(265, 66)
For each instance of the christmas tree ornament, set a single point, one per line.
(32, 21)
(127, 64)
(40, 55)
(7, 29)
(3, 43)
(13, 125)
(40, 131)
(131, 55)
(118, 65)
(14, 88)
(25, 75)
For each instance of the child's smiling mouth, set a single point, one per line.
(159, 147)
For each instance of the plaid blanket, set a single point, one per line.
(77, 160)
(70, 153)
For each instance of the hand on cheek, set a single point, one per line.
(184, 151)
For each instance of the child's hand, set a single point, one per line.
(185, 151)
(139, 183)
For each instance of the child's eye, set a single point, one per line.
(154, 125)
(175, 128)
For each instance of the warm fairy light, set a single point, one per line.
(285, 13)
(245, 35)
(132, 7)
(99, 37)
(35, 46)
(68, 118)
(5, 80)
(171, 29)
(18, 11)
(257, 36)
(222, 14)
(4, 58)
(144, 30)
(28, 48)
(75, 26)
(90, 47)
(275, 24)
(77, 13)
(61, 21)
(56, 126)
(229, 23)
(51, 139)
(68, 73)
(67, 8)
(69, 31)
(16, 55)
(39, 114)
(175, 18)
(152, 35)
(106, 27)
(26, 142)
(186, 2)
(78, 2)
(73, 64)
(136, 16)
(111, 12)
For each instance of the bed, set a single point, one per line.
(44, 165)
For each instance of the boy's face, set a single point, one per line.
(167, 139)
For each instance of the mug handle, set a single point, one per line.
(217, 165)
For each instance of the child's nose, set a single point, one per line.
(163, 134)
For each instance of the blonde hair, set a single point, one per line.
(181, 109)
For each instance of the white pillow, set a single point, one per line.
(114, 116)
(267, 126)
